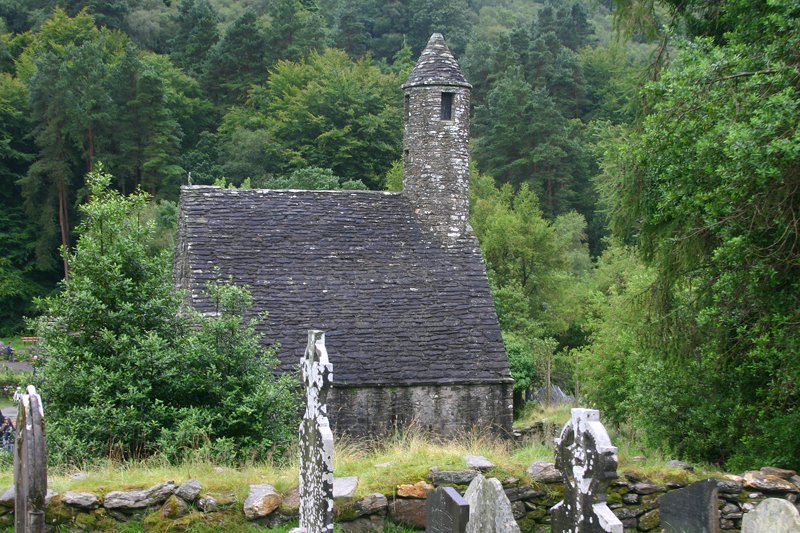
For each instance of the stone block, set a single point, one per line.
(417, 490)
(83, 500)
(261, 501)
(139, 499)
(344, 487)
(478, 462)
(174, 508)
(772, 516)
(489, 508)
(544, 472)
(408, 512)
(453, 477)
(189, 490)
(758, 480)
(446, 511)
(694, 508)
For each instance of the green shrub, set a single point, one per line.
(125, 372)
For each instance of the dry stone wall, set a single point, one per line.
(169, 506)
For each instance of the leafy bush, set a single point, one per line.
(126, 372)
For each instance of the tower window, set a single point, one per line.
(407, 105)
(447, 106)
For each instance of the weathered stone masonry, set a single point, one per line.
(395, 280)
(436, 142)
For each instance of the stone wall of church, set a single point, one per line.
(436, 157)
(444, 410)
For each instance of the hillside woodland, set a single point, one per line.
(635, 186)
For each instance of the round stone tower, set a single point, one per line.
(436, 140)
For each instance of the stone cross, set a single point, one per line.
(316, 440)
(588, 463)
(30, 464)
(445, 511)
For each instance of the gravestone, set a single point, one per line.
(588, 463)
(772, 516)
(30, 465)
(694, 508)
(316, 440)
(489, 507)
(445, 511)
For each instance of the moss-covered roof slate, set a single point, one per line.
(399, 306)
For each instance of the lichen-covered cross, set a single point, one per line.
(588, 463)
(316, 440)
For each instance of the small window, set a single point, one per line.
(447, 106)
(407, 105)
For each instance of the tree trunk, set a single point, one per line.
(63, 220)
(549, 358)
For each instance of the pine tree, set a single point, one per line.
(197, 33)
(49, 179)
(352, 22)
(236, 62)
(448, 17)
(294, 32)
(147, 138)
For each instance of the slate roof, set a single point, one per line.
(437, 66)
(399, 306)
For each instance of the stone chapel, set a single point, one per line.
(395, 279)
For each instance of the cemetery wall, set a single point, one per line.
(169, 506)
(444, 410)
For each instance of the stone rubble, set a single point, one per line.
(417, 490)
(189, 490)
(139, 499)
(83, 500)
(478, 462)
(261, 501)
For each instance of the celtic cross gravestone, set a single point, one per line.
(316, 440)
(30, 464)
(588, 463)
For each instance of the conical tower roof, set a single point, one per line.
(437, 66)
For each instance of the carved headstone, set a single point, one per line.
(316, 440)
(30, 465)
(489, 507)
(446, 511)
(772, 516)
(588, 463)
(694, 508)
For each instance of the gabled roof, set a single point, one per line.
(437, 66)
(399, 306)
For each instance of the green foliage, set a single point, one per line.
(20, 279)
(312, 179)
(196, 34)
(147, 137)
(126, 373)
(710, 186)
(534, 269)
(393, 179)
(326, 112)
(529, 92)
(236, 62)
(448, 17)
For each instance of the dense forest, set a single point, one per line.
(634, 184)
